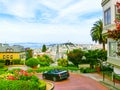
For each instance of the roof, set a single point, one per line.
(14, 48)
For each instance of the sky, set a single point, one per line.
(54, 21)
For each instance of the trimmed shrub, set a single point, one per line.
(18, 85)
(32, 62)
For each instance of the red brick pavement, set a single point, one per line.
(78, 82)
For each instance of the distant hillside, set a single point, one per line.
(28, 44)
(38, 45)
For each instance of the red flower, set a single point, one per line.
(10, 77)
(117, 4)
(25, 73)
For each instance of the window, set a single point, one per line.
(7, 57)
(11, 56)
(4, 57)
(11, 50)
(107, 16)
(7, 50)
(112, 49)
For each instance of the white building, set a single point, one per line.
(109, 14)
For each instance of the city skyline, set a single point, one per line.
(48, 20)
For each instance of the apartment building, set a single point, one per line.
(10, 53)
(110, 13)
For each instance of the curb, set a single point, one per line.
(50, 86)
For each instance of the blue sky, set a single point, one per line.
(48, 20)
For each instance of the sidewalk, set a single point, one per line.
(24, 67)
(106, 82)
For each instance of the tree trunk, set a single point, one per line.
(103, 46)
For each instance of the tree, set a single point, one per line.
(75, 56)
(29, 53)
(44, 48)
(45, 60)
(96, 57)
(91, 57)
(97, 33)
(102, 55)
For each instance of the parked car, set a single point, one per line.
(55, 75)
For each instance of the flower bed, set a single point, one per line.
(21, 80)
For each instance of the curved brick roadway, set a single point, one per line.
(78, 82)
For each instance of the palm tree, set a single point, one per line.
(97, 33)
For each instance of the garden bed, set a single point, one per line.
(18, 79)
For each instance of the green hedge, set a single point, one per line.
(17, 61)
(87, 70)
(2, 65)
(2, 61)
(18, 85)
(43, 69)
(42, 85)
(21, 85)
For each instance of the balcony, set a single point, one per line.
(104, 2)
(114, 61)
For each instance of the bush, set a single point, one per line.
(107, 68)
(30, 70)
(42, 85)
(18, 85)
(42, 64)
(87, 70)
(16, 61)
(32, 62)
(21, 80)
(62, 62)
(13, 70)
(2, 61)
(2, 65)
(117, 77)
(22, 62)
(3, 70)
(43, 69)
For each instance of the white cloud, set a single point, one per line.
(28, 32)
(77, 9)
(19, 8)
(56, 4)
(62, 20)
